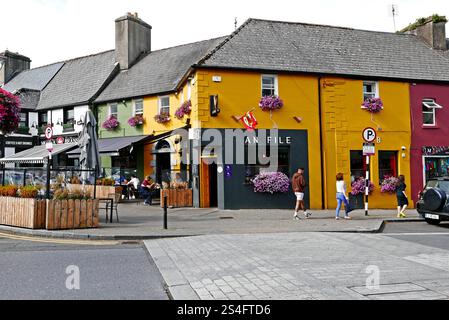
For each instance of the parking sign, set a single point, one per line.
(369, 135)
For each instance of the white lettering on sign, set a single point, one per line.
(270, 140)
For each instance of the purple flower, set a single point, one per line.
(162, 117)
(9, 112)
(359, 185)
(269, 103)
(110, 123)
(373, 105)
(136, 121)
(271, 182)
(184, 109)
(389, 184)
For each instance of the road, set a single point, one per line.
(41, 269)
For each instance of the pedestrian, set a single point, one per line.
(133, 186)
(401, 197)
(149, 187)
(342, 198)
(298, 185)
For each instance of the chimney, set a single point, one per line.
(11, 64)
(132, 39)
(431, 30)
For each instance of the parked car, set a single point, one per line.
(433, 201)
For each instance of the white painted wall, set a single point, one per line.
(33, 118)
(57, 115)
(80, 112)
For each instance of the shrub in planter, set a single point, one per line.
(29, 192)
(110, 123)
(79, 195)
(270, 103)
(136, 121)
(106, 182)
(271, 182)
(373, 105)
(162, 117)
(60, 194)
(359, 185)
(184, 109)
(9, 112)
(9, 191)
(389, 185)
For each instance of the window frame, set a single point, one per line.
(39, 120)
(375, 84)
(276, 84)
(381, 176)
(135, 113)
(159, 104)
(64, 115)
(110, 113)
(431, 106)
(25, 121)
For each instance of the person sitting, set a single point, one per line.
(133, 185)
(149, 188)
(178, 178)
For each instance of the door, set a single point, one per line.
(208, 185)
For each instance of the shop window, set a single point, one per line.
(358, 164)
(23, 120)
(43, 119)
(428, 112)
(69, 116)
(370, 90)
(436, 167)
(113, 110)
(138, 107)
(251, 170)
(388, 164)
(164, 104)
(269, 85)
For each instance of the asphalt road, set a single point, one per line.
(37, 269)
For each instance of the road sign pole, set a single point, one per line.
(367, 184)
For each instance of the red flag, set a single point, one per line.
(249, 120)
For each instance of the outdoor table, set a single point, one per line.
(112, 205)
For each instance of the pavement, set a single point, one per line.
(305, 266)
(138, 222)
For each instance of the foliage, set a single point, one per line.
(9, 112)
(373, 105)
(422, 21)
(163, 117)
(389, 184)
(270, 103)
(271, 182)
(185, 108)
(106, 182)
(178, 185)
(359, 185)
(110, 123)
(29, 192)
(136, 121)
(8, 191)
(75, 180)
(64, 194)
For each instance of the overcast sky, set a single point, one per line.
(53, 30)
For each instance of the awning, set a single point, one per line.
(111, 146)
(38, 154)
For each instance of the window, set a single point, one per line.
(388, 164)
(138, 107)
(43, 119)
(269, 85)
(428, 111)
(370, 90)
(23, 120)
(69, 115)
(113, 110)
(182, 96)
(189, 90)
(251, 170)
(358, 165)
(164, 104)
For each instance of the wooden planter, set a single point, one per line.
(72, 214)
(177, 198)
(102, 191)
(23, 213)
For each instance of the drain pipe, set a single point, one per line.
(323, 169)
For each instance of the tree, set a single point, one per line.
(9, 112)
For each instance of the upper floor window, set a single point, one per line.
(269, 85)
(428, 112)
(189, 90)
(69, 115)
(113, 110)
(23, 120)
(138, 107)
(43, 119)
(164, 104)
(370, 90)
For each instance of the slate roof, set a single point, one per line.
(158, 72)
(29, 99)
(298, 47)
(34, 79)
(79, 81)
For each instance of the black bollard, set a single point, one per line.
(165, 213)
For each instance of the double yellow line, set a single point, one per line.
(60, 241)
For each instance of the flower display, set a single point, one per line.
(389, 184)
(9, 112)
(271, 182)
(136, 121)
(110, 123)
(184, 109)
(270, 103)
(162, 117)
(373, 105)
(359, 185)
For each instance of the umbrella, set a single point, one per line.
(88, 144)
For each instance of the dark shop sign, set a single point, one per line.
(18, 143)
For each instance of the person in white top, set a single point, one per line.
(342, 197)
(133, 185)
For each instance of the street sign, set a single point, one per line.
(369, 149)
(60, 140)
(49, 146)
(369, 135)
(48, 133)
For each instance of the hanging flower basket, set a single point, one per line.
(110, 123)
(359, 185)
(136, 121)
(389, 185)
(162, 117)
(9, 112)
(271, 182)
(184, 109)
(270, 103)
(373, 105)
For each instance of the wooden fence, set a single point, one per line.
(102, 191)
(177, 198)
(72, 214)
(23, 213)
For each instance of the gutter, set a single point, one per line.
(323, 167)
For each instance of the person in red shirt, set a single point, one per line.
(149, 188)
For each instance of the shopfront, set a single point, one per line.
(435, 163)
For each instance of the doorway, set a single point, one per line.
(163, 162)
(208, 185)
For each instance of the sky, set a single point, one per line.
(49, 31)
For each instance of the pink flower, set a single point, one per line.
(373, 105)
(271, 182)
(269, 103)
(110, 123)
(9, 112)
(184, 109)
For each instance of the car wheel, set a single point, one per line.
(433, 222)
(434, 199)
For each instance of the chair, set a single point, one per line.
(116, 197)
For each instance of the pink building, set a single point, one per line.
(430, 133)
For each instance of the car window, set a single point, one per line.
(432, 184)
(444, 185)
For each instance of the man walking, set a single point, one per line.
(298, 185)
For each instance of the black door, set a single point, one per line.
(213, 189)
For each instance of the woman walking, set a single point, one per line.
(402, 197)
(342, 197)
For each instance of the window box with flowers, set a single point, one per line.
(271, 182)
(358, 187)
(373, 105)
(136, 121)
(270, 103)
(184, 109)
(162, 117)
(389, 185)
(110, 123)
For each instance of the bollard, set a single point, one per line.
(165, 213)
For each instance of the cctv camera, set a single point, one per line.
(404, 148)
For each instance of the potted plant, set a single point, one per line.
(135, 121)
(358, 190)
(271, 182)
(163, 117)
(110, 123)
(389, 185)
(271, 103)
(9, 112)
(184, 109)
(373, 105)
